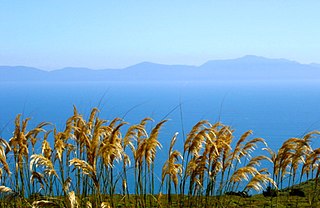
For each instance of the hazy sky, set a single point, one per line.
(112, 34)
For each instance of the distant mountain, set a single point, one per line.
(21, 73)
(244, 68)
(254, 67)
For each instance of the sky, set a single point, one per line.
(102, 34)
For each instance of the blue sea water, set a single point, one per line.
(274, 110)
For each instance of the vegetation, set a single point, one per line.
(92, 163)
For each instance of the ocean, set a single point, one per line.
(274, 110)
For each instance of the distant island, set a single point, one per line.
(245, 68)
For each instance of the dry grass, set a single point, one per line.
(88, 164)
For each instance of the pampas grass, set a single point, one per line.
(4, 189)
(171, 169)
(91, 161)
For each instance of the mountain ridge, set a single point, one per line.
(249, 67)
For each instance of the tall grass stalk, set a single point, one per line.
(90, 159)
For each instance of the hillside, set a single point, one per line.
(244, 68)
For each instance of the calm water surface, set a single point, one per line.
(274, 111)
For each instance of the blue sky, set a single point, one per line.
(114, 34)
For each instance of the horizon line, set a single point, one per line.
(157, 63)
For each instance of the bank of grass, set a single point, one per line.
(283, 200)
(89, 164)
